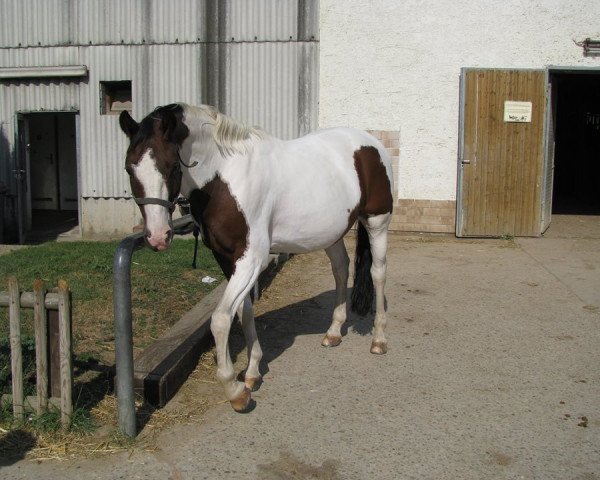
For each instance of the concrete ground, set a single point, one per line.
(493, 371)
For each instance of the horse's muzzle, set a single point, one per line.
(159, 242)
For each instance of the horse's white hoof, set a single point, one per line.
(331, 340)
(253, 383)
(240, 404)
(379, 348)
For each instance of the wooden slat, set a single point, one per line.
(469, 147)
(53, 342)
(549, 155)
(487, 170)
(41, 345)
(15, 347)
(27, 300)
(507, 213)
(66, 363)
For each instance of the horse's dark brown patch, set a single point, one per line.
(224, 227)
(375, 189)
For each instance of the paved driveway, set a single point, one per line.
(493, 371)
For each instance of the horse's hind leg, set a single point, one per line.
(252, 377)
(339, 265)
(377, 228)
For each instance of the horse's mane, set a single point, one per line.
(230, 136)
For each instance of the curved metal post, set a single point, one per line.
(124, 333)
(123, 323)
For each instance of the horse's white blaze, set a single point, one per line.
(157, 216)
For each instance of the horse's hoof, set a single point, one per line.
(379, 348)
(241, 403)
(331, 340)
(253, 383)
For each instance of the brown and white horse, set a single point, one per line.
(253, 194)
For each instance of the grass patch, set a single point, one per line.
(164, 286)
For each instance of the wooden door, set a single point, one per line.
(501, 153)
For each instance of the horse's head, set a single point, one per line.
(153, 165)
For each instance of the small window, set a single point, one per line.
(115, 97)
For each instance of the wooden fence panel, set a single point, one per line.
(45, 318)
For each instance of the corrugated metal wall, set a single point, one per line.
(268, 51)
(256, 60)
(159, 74)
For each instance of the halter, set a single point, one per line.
(158, 201)
(165, 203)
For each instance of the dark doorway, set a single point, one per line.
(577, 143)
(53, 195)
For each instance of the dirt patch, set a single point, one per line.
(290, 467)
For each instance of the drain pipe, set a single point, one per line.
(123, 323)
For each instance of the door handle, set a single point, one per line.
(465, 162)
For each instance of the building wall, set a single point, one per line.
(253, 59)
(395, 66)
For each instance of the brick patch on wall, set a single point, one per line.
(391, 142)
(435, 216)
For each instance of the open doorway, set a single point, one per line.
(52, 203)
(576, 98)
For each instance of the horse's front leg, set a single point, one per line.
(246, 272)
(252, 377)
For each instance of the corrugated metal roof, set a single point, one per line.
(265, 20)
(34, 23)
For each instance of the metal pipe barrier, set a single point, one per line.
(123, 323)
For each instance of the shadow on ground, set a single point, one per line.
(14, 446)
(277, 329)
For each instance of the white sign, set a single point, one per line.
(517, 111)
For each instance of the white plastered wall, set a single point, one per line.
(395, 65)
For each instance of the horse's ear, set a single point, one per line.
(174, 129)
(128, 124)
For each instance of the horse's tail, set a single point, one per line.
(362, 290)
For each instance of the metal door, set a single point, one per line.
(501, 152)
(20, 174)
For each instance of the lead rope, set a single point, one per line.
(196, 231)
(186, 165)
(196, 234)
